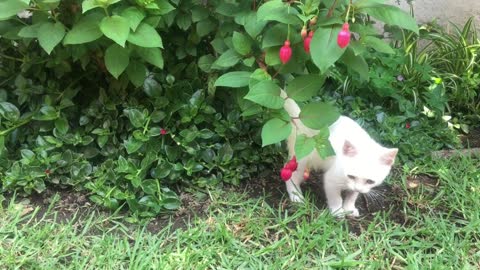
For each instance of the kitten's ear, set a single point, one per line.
(389, 157)
(348, 149)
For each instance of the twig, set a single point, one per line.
(330, 10)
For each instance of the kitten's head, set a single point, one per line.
(366, 168)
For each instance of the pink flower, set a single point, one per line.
(306, 42)
(285, 174)
(285, 52)
(407, 125)
(343, 37)
(163, 131)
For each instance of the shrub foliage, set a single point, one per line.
(128, 99)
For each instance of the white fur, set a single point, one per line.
(356, 154)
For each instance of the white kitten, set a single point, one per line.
(359, 163)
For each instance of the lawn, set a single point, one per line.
(426, 217)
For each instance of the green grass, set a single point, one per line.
(442, 231)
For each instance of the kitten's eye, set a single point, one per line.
(351, 177)
(370, 182)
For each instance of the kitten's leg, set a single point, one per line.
(349, 203)
(293, 185)
(333, 191)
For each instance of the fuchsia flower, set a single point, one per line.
(306, 42)
(288, 169)
(285, 52)
(303, 33)
(343, 37)
(163, 131)
(286, 174)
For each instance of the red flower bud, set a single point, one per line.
(306, 42)
(285, 52)
(292, 164)
(306, 174)
(407, 125)
(313, 21)
(343, 37)
(303, 33)
(163, 131)
(285, 174)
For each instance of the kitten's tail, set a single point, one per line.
(298, 127)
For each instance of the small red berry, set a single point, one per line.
(306, 42)
(407, 125)
(285, 174)
(163, 131)
(303, 33)
(343, 37)
(285, 52)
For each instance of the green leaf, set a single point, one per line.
(254, 26)
(275, 130)
(183, 21)
(171, 203)
(392, 15)
(322, 143)
(378, 44)
(205, 27)
(137, 72)
(132, 145)
(160, 7)
(356, 63)
(28, 155)
(145, 36)
(234, 79)
(115, 28)
(136, 117)
(89, 4)
(227, 59)
(50, 34)
(241, 43)
(225, 153)
(267, 94)
(324, 48)
(277, 10)
(151, 55)
(318, 115)
(303, 146)
(30, 31)
(9, 111)
(276, 36)
(134, 16)
(86, 30)
(302, 88)
(199, 13)
(9, 8)
(61, 124)
(205, 62)
(116, 60)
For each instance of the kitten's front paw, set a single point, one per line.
(352, 212)
(339, 213)
(296, 198)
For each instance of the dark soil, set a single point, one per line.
(69, 204)
(472, 139)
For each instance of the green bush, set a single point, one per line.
(132, 99)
